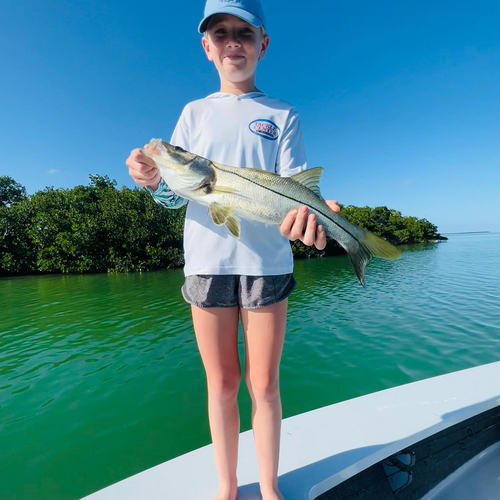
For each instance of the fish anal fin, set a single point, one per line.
(310, 179)
(222, 215)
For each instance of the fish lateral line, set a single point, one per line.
(289, 197)
(201, 179)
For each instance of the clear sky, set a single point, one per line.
(399, 100)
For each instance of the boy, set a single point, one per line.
(251, 277)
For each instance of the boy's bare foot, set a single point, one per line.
(271, 494)
(227, 493)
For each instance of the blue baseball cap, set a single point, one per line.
(248, 10)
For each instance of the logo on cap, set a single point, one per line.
(265, 128)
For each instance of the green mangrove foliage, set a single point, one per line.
(99, 228)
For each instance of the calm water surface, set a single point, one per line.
(100, 377)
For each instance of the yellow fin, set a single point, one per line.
(310, 179)
(234, 226)
(223, 189)
(219, 214)
(222, 215)
(380, 247)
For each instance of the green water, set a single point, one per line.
(100, 377)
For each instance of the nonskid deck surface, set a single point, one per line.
(322, 448)
(478, 479)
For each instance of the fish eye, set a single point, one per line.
(177, 148)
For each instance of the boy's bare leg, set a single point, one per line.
(264, 331)
(216, 332)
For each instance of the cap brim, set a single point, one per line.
(246, 16)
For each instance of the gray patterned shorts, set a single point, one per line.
(231, 290)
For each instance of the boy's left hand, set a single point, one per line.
(293, 226)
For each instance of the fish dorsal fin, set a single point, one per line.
(222, 215)
(310, 179)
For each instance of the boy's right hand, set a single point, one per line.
(143, 169)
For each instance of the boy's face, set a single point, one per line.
(234, 46)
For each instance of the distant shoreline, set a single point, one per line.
(99, 228)
(470, 232)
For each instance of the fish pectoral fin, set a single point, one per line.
(222, 215)
(310, 179)
(223, 190)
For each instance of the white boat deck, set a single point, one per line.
(478, 479)
(322, 448)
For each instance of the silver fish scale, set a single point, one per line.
(261, 196)
(267, 197)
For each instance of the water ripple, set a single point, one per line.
(113, 360)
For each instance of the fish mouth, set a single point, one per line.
(167, 155)
(153, 148)
(158, 147)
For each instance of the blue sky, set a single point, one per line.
(399, 101)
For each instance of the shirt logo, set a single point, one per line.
(265, 128)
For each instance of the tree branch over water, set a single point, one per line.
(99, 228)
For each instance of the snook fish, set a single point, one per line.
(262, 196)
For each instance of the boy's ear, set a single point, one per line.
(265, 45)
(206, 48)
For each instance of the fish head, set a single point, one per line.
(180, 169)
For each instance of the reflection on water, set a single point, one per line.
(100, 373)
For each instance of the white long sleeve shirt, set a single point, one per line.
(252, 130)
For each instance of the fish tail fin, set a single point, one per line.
(380, 247)
(359, 257)
(370, 245)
